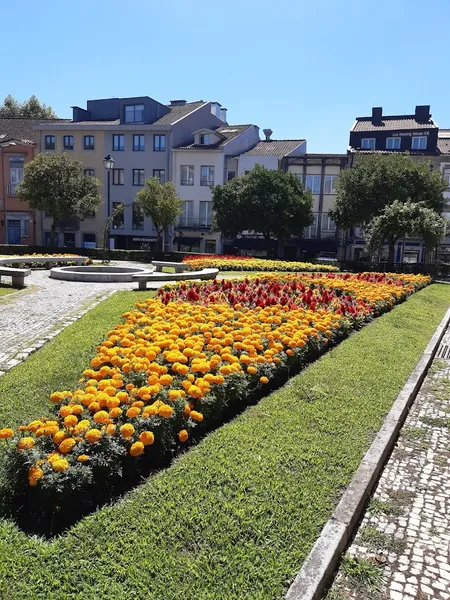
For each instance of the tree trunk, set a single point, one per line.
(53, 234)
(391, 249)
(160, 239)
(268, 245)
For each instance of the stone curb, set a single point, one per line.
(319, 567)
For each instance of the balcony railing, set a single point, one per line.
(193, 224)
(11, 189)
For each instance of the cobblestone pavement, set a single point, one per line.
(34, 315)
(401, 551)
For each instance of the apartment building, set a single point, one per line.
(17, 147)
(319, 174)
(206, 161)
(420, 136)
(139, 133)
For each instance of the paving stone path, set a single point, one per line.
(34, 315)
(402, 548)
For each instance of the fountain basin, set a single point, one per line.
(112, 274)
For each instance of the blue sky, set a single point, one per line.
(305, 69)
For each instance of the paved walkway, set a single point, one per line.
(39, 312)
(402, 549)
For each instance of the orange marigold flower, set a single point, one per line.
(165, 410)
(65, 411)
(5, 433)
(132, 412)
(34, 475)
(127, 430)
(93, 435)
(113, 402)
(77, 409)
(66, 445)
(147, 438)
(26, 443)
(137, 448)
(56, 397)
(83, 458)
(59, 437)
(101, 417)
(196, 416)
(114, 413)
(183, 435)
(263, 380)
(187, 409)
(252, 370)
(70, 421)
(111, 429)
(60, 464)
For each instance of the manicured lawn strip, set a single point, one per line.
(5, 290)
(235, 517)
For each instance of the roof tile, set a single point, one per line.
(278, 148)
(393, 123)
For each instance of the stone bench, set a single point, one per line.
(143, 278)
(178, 267)
(17, 275)
(49, 261)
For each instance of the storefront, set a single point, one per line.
(132, 242)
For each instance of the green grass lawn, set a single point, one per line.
(234, 517)
(6, 289)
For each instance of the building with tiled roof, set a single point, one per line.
(278, 148)
(416, 133)
(139, 133)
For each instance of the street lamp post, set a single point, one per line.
(108, 161)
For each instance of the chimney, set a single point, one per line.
(223, 115)
(267, 133)
(177, 102)
(377, 113)
(422, 114)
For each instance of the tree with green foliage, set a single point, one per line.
(406, 219)
(379, 180)
(30, 109)
(272, 203)
(161, 204)
(56, 184)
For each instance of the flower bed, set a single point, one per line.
(248, 263)
(177, 363)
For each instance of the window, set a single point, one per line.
(89, 172)
(368, 143)
(207, 175)
(210, 246)
(138, 176)
(187, 217)
(187, 175)
(25, 227)
(329, 184)
(50, 142)
(312, 184)
(419, 143)
(205, 214)
(138, 216)
(138, 143)
(446, 176)
(205, 138)
(16, 169)
(118, 219)
(89, 240)
(117, 142)
(231, 175)
(159, 143)
(90, 214)
(328, 226)
(393, 143)
(117, 178)
(48, 241)
(134, 113)
(68, 142)
(69, 240)
(89, 142)
(311, 231)
(160, 174)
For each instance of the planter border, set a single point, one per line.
(318, 569)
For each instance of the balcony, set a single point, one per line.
(11, 189)
(193, 224)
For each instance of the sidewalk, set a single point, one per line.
(401, 550)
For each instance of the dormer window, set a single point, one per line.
(368, 143)
(204, 138)
(134, 113)
(419, 143)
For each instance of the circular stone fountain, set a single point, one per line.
(98, 274)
